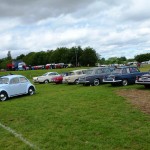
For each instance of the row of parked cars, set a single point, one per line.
(95, 76)
(14, 85)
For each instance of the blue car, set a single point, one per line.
(123, 75)
(94, 76)
(14, 85)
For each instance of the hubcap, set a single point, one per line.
(76, 82)
(125, 82)
(46, 81)
(31, 92)
(96, 82)
(2, 97)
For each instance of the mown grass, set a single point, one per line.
(76, 117)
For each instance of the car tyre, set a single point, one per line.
(124, 82)
(46, 81)
(76, 81)
(31, 91)
(3, 96)
(96, 82)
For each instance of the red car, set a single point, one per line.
(58, 79)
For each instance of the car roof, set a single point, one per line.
(98, 68)
(126, 67)
(78, 70)
(11, 76)
(50, 72)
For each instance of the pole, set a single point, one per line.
(76, 57)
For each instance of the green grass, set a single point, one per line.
(76, 117)
(32, 73)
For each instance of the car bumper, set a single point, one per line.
(35, 81)
(38, 81)
(142, 82)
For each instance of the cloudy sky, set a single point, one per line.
(114, 28)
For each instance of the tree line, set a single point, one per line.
(76, 56)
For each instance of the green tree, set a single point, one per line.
(88, 57)
(142, 57)
(9, 55)
(20, 57)
(29, 59)
(3, 63)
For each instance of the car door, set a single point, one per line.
(51, 75)
(133, 73)
(98, 74)
(14, 86)
(23, 85)
(105, 72)
(77, 75)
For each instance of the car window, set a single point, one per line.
(23, 80)
(45, 74)
(89, 72)
(98, 71)
(106, 70)
(124, 71)
(84, 71)
(4, 80)
(79, 72)
(53, 73)
(14, 80)
(117, 70)
(132, 70)
(72, 73)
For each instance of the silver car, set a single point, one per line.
(143, 80)
(45, 78)
(15, 85)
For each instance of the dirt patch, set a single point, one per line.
(139, 98)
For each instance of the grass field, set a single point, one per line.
(73, 117)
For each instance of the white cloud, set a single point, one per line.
(111, 27)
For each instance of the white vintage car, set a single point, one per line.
(45, 78)
(14, 85)
(73, 76)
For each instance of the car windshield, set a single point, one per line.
(118, 70)
(71, 73)
(4, 80)
(45, 74)
(89, 72)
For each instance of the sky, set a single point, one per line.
(114, 28)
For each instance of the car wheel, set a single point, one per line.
(31, 91)
(76, 81)
(3, 96)
(46, 81)
(147, 86)
(96, 82)
(124, 82)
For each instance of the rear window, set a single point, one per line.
(23, 80)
